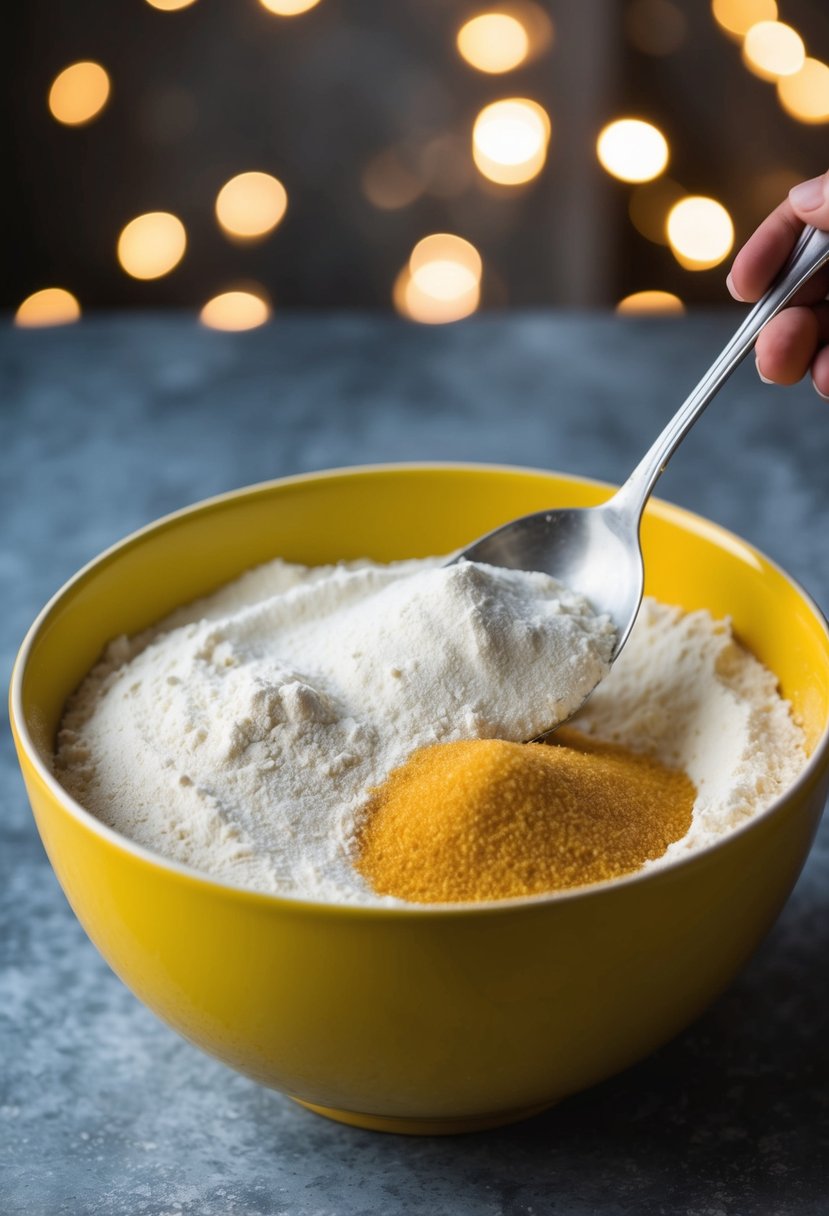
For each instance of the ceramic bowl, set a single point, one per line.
(418, 1020)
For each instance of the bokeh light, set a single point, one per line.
(772, 49)
(649, 205)
(645, 303)
(493, 42)
(288, 8)
(79, 93)
(236, 310)
(170, 6)
(152, 245)
(632, 150)
(443, 166)
(509, 140)
(430, 159)
(445, 266)
(51, 306)
(700, 232)
(388, 183)
(415, 304)
(737, 17)
(655, 27)
(441, 282)
(805, 94)
(250, 205)
(536, 20)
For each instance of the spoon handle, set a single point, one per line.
(809, 254)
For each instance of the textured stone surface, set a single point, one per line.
(105, 426)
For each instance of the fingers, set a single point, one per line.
(820, 372)
(797, 339)
(815, 290)
(793, 342)
(812, 292)
(765, 251)
(810, 201)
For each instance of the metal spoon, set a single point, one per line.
(596, 551)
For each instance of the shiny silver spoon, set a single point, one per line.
(596, 551)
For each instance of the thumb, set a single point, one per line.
(810, 201)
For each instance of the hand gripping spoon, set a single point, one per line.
(596, 551)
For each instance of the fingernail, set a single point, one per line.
(825, 396)
(729, 282)
(808, 195)
(760, 374)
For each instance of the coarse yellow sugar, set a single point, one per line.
(487, 819)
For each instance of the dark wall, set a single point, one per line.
(223, 86)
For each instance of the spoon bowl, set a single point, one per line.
(587, 548)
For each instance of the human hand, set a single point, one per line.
(797, 339)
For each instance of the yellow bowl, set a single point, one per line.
(444, 1019)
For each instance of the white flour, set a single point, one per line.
(243, 735)
(685, 692)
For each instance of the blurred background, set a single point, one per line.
(238, 157)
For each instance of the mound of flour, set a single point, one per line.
(685, 692)
(242, 735)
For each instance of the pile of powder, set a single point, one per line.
(243, 735)
(685, 692)
(488, 819)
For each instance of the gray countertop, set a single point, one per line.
(107, 425)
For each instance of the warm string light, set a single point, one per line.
(288, 8)
(649, 205)
(503, 39)
(51, 306)
(251, 205)
(510, 140)
(650, 303)
(388, 183)
(413, 303)
(443, 166)
(632, 150)
(236, 310)
(776, 52)
(805, 94)
(493, 42)
(700, 232)
(396, 177)
(441, 282)
(772, 49)
(736, 17)
(445, 266)
(79, 93)
(170, 6)
(152, 245)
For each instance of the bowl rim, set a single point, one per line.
(393, 910)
